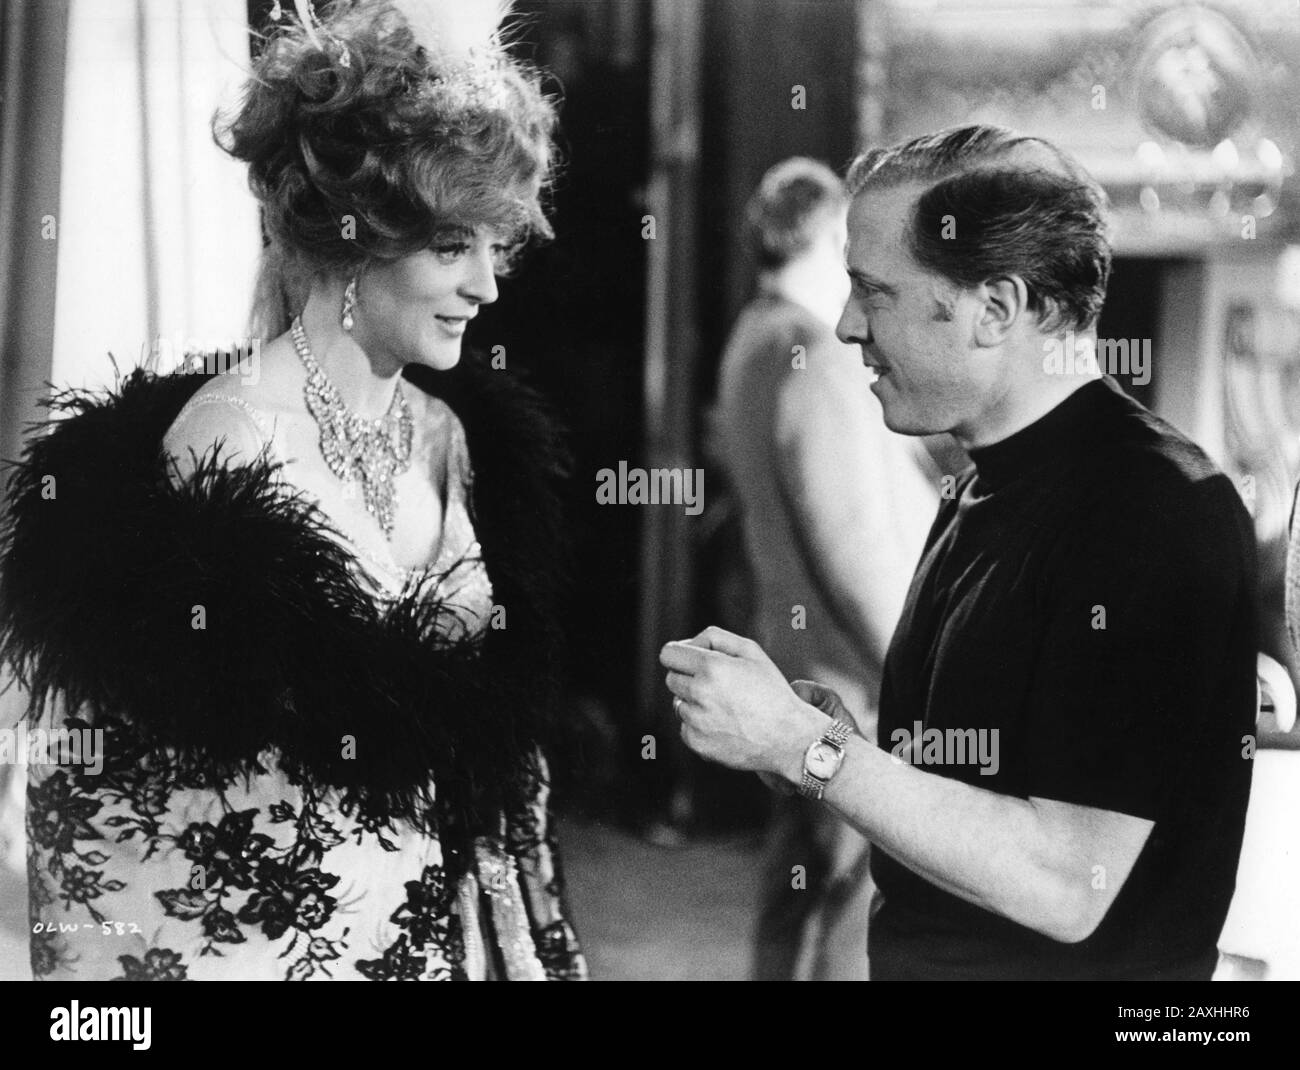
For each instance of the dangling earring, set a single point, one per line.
(349, 302)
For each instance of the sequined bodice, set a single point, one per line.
(456, 574)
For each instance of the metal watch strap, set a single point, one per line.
(837, 735)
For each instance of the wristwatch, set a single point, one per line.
(823, 758)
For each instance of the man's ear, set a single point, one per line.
(1003, 302)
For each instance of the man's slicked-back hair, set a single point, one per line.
(996, 203)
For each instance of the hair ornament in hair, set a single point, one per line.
(456, 34)
(462, 45)
(307, 17)
(309, 21)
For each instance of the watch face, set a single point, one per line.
(822, 760)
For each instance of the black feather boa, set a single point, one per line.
(98, 581)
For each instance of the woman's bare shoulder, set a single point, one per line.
(240, 409)
(223, 414)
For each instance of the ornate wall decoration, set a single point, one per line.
(1185, 112)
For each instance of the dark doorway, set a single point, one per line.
(1132, 313)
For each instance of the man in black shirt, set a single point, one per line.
(1067, 704)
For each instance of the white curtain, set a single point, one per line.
(158, 234)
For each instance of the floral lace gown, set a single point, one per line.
(136, 875)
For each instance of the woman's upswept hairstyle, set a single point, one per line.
(360, 147)
(998, 203)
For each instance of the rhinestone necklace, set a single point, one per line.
(371, 451)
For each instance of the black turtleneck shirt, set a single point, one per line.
(1085, 600)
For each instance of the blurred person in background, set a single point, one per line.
(281, 597)
(834, 511)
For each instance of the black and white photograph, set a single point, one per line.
(652, 490)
